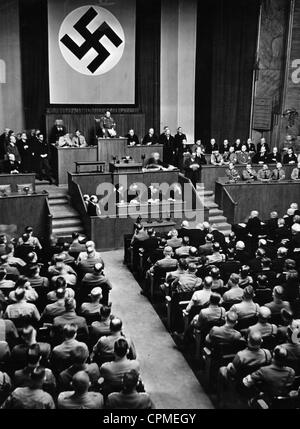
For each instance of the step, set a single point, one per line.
(58, 201)
(66, 232)
(215, 212)
(204, 192)
(217, 219)
(210, 204)
(54, 195)
(63, 223)
(64, 213)
(209, 198)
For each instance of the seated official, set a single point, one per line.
(150, 138)
(224, 147)
(230, 156)
(79, 358)
(107, 126)
(11, 166)
(274, 156)
(33, 358)
(70, 317)
(235, 292)
(263, 145)
(263, 327)
(154, 163)
(248, 360)
(260, 157)
(103, 350)
(275, 379)
(237, 145)
(113, 372)
(232, 173)
(246, 308)
(174, 241)
(31, 397)
(101, 327)
(61, 357)
(57, 308)
(264, 174)
(93, 307)
(292, 346)
(58, 130)
(187, 281)
(243, 157)
(296, 173)
(129, 398)
(249, 174)
(86, 260)
(211, 147)
(80, 397)
(79, 140)
(250, 146)
(96, 279)
(225, 333)
(65, 141)
(201, 297)
(216, 158)
(132, 138)
(290, 157)
(278, 173)
(21, 308)
(214, 313)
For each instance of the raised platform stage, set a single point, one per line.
(63, 158)
(109, 229)
(238, 199)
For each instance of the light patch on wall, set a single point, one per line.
(2, 71)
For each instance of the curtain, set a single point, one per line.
(34, 51)
(226, 69)
(11, 108)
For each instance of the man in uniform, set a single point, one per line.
(264, 174)
(107, 125)
(278, 172)
(232, 173)
(296, 173)
(249, 173)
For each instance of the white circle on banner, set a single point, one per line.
(91, 40)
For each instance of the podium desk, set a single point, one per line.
(63, 160)
(125, 167)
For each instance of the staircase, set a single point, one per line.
(216, 216)
(65, 219)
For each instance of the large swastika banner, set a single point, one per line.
(91, 51)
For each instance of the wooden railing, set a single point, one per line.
(78, 203)
(225, 202)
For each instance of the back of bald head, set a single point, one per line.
(81, 382)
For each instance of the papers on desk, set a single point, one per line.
(243, 225)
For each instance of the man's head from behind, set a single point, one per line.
(254, 340)
(208, 280)
(168, 251)
(33, 355)
(70, 304)
(231, 318)
(130, 381)
(79, 355)
(69, 331)
(280, 356)
(248, 293)
(116, 324)
(81, 382)
(214, 299)
(264, 314)
(121, 348)
(37, 377)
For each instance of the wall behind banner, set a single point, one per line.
(11, 107)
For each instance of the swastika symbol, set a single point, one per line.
(83, 44)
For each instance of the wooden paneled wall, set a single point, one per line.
(84, 119)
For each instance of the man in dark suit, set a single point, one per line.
(150, 138)
(58, 130)
(169, 150)
(211, 147)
